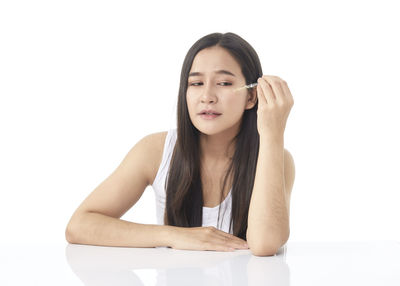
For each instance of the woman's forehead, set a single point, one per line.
(211, 60)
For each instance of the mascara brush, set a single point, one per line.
(247, 86)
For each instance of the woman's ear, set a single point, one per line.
(251, 98)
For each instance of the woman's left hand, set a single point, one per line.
(274, 104)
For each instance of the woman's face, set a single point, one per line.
(213, 77)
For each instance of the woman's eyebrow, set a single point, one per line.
(217, 72)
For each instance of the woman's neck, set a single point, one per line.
(216, 149)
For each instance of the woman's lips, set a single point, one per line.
(209, 116)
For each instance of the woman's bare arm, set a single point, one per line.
(98, 229)
(97, 220)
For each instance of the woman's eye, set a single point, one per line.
(226, 83)
(200, 83)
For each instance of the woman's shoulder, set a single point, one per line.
(155, 146)
(157, 137)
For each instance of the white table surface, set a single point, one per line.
(297, 263)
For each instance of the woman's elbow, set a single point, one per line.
(264, 250)
(266, 247)
(70, 233)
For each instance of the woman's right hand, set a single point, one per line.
(205, 238)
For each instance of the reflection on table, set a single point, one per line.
(298, 263)
(96, 265)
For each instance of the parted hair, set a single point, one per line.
(184, 195)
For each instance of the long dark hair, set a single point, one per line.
(184, 201)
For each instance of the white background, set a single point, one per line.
(82, 81)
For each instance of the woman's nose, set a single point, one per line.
(208, 94)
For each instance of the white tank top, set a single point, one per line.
(210, 215)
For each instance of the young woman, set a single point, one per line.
(222, 178)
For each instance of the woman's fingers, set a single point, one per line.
(260, 96)
(218, 247)
(276, 84)
(227, 240)
(265, 89)
(206, 238)
(233, 238)
(288, 93)
(272, 88)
